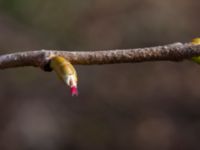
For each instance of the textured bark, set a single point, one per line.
(40, 58)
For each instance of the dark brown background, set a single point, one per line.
(142, 106)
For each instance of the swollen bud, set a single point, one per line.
(66, 72)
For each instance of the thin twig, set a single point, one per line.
(40, 58)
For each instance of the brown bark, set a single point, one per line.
(40, 58)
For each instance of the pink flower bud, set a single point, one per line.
(74, 91)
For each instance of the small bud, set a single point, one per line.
(196, 41)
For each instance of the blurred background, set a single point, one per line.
(151, 105)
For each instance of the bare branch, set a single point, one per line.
(171, 52)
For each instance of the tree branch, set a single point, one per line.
(171, 52)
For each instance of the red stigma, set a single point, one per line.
(74, 91)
